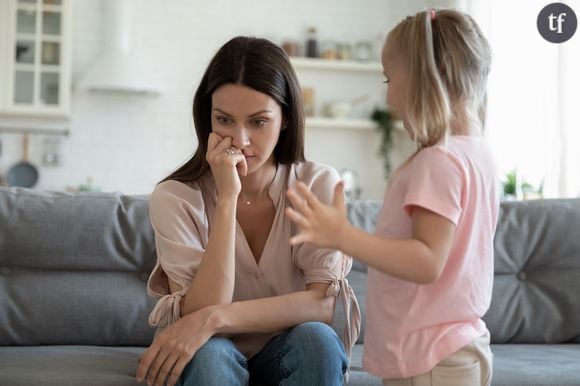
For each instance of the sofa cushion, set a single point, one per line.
(537, 266)
(358, 377)
(73, 268)
(536, 364)
(69, 365)
(363, 214)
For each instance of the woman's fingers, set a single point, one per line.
(216, 145)
(155, 367)
(212, 141)
(167, 368)
(177, 370)
(242, 165)
(221, 147)
(145, 361)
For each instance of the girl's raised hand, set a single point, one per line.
(319, 224)
(225, 161)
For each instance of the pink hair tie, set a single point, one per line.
(432, 14)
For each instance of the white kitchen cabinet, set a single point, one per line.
(35, 59)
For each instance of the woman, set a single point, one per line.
(237, 303)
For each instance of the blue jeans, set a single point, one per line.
(308, 354)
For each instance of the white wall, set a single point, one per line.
(128, 143)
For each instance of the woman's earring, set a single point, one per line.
(285, 126)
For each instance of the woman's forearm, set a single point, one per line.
(215, 277)
(274, 314)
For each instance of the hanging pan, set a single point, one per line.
(23, 174)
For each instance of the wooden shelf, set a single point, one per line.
(346, 123)
(343, 123)
(335, 65)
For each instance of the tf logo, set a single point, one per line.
(557, 22)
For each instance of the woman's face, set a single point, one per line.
(250, 118)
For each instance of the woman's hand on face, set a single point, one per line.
(224, 166)
(172, 349)
(319, 224)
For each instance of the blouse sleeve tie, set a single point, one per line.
(340, 287)
(166, 311)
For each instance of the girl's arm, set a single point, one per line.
(173, 348)
(420, 259)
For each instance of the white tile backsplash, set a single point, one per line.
(128, 143)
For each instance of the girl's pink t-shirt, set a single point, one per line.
(412, 327)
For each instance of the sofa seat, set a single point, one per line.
(358, 376)
(108, 366)
(513, 365)
(536, 364)
(89, 256)
(68, 365)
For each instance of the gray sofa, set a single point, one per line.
(73, 305)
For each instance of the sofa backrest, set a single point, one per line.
(73, 268)
(362, 214)
(536, 292)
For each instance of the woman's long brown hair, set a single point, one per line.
(263, 66)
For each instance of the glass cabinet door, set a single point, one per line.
(38, 67)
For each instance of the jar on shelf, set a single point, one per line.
(308, 101)
(328, 50)
(312, 43)
(291, 47)
(344, 51)
(363, 51)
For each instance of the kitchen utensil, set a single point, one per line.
(23, 174)
(341, 109)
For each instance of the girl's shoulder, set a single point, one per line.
(455, 149)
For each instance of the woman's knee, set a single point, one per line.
(317, 338)
(316, 333)
(217, 358)
(216, 349)
(314, 352)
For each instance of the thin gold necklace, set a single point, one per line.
(249, 202)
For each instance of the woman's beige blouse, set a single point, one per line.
(181, 215)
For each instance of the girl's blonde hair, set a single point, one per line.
(448, 61)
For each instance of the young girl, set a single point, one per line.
(236, 304)
(431, 258)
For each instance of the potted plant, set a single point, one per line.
(384, 120)
(515, 188)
